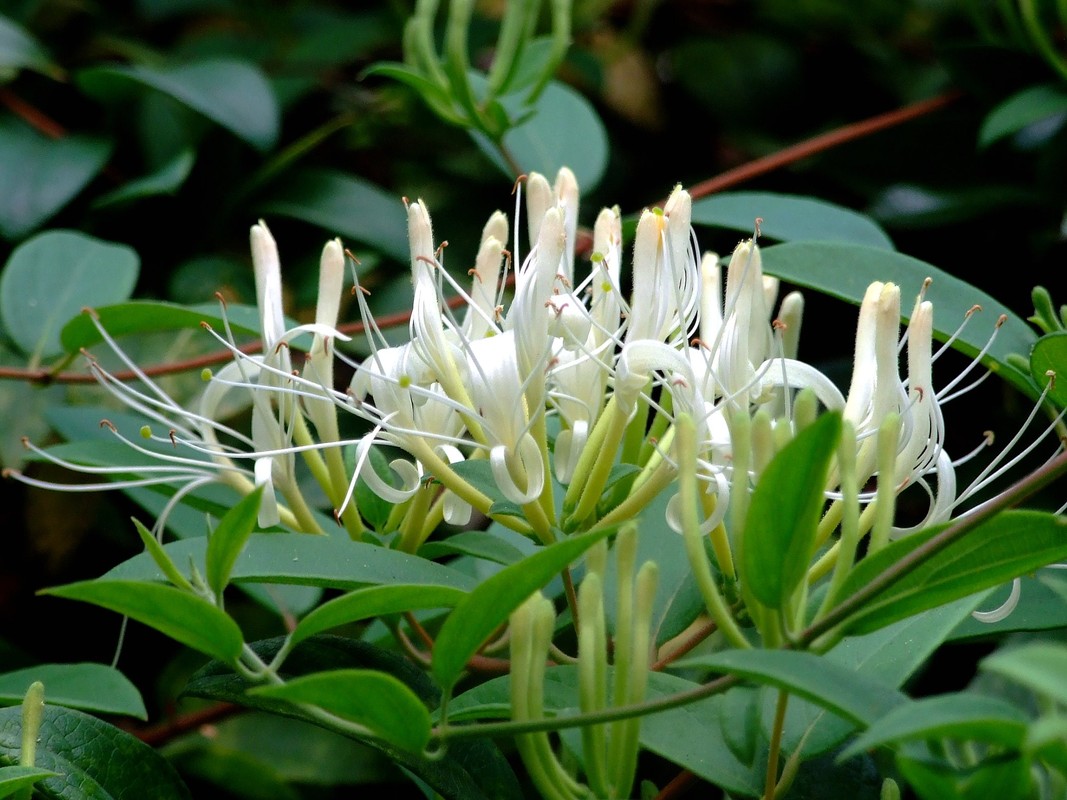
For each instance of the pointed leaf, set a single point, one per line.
(377, 701)
(1040, 666)
(1009, 545)
(155, 549)
(183, 617)
(227, 541)
(1031, 105)
(374, 601)
(968, 716)
(489, 605)
(91, 759)
(845, 270)
(846, 693)
(165, 180)
(789, 218)
(330, 562)
(18, 49)
(52, 277)
(90, 687)
(232, 93)
(15, 777)
(779, 536)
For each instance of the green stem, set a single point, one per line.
(775, 745)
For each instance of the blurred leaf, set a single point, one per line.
(1010, 544)
(374, 601)
(999, 776)
(1040, 666)
(779, 533)
(183, 617)
(18, 49)
(232, 93)
(965, 715)
(146, 316)
(233, 773)
(839, 689)
(474, 769)
(845, 271)
(50, 278)
(1031, 105)
(563, 130)
(1042, 605)
(14, 778)
(477, 544)
(41, 175)
(789, 218)
(492, 601)
(332, 562)
(228, 539)
(91, 759)
(165, 180)
(343, 205)
(1050, 355)
(89, 687)
(909, 206)
(375, 700)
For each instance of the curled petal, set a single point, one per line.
(1005, 608)
(569, 446)
(457, 511)
(410, 474)
(268, 504)
(526, 457)
(720, 488)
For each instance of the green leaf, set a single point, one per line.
(51, 277)
(1024, 108)
(145, 316)
(846, 270)
(563, 130)
(183, 617)
(913, 206)
(330, 562)
(89, 687)
(1039, 666)
(343, 205)
(154, 548)
(968, 716)
(374, 601)
(91, 759)
(1010, 544)
(779, 534)
(477, 544)
(489, 605)
(18, 49)
(165, 180)
(225, 769)
(15, 777)
(227, 541)
(999, 776)
(846, 693)
(1049, 354)
(375, 700)
(232, 93)
(1042, 605)
(789, 218)
(42, 175)
(473, 770)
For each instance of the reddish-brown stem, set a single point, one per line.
(34, 117)
(163, 732)
(682, 781)
(699, 635)
(821, 143)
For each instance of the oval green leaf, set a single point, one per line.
(968, 716)
(375, 700)
(51, 277)
(1024, 108)
(373, 602)
(779, 536)
(234, 94)
(1049, 355)
(343, 205)
(847, 693)
(183, 617)
(330, 562)
(1040, 666)
(90, 687)
(18, 49)
(846, 270)
(91, 758)
(145, 316)
(489, 605)
(42, 175)
(789, 218)
(1010, 544)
